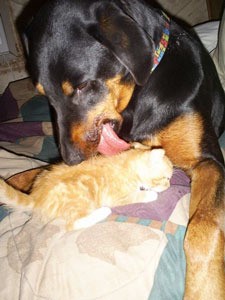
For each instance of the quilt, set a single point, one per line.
(136, 253)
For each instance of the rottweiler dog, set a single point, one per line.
(119, 72)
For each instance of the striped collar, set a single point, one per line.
(161, 48)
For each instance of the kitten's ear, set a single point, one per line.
(156, 154)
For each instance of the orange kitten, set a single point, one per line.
(73, 192)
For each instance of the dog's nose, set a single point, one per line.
(73, 159)
(71, 156)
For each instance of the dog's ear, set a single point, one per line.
(132, 46)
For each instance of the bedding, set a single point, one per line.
(136, 253)
(123, 257)
(25, 129)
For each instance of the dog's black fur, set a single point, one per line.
(180, 105)
(67, 43)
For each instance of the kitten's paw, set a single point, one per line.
(96, 216)
(143, 196)
(149, 196)
(137, 145)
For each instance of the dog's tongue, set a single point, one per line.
(110, 143)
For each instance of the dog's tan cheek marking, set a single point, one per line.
(40, 88)
(125, 95)
(78, 137)
(120, 93)
(67, 88)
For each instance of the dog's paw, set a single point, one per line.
(96, 216)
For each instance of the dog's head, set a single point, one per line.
(87, 56)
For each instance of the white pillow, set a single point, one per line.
(208, 33)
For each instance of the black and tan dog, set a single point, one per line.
(120, 71)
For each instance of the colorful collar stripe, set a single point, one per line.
(161, 48)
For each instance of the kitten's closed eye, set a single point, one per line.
(160, 184)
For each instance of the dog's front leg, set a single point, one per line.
(204, 242)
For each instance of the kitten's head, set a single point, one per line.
(155, 169)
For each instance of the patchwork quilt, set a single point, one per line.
(25, 129)
(136, 253)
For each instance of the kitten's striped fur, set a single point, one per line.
(72, 192)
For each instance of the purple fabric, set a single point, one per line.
(161, 209)
(8, 106)
(10, 132)
(180, 178)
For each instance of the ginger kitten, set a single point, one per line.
(73, 192)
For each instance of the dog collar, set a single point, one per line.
(161, 48)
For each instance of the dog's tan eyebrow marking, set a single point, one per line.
(40, 88)
(67, 88)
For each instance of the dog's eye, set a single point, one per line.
(69, 89)
(81, 86)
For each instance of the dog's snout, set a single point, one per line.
(71, 156)
(73, 159)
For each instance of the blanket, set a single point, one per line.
(136, 253)
(26, 131)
